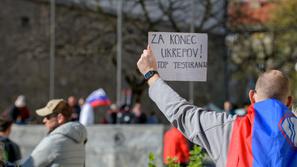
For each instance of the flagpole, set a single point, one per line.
(52, 50)
(119, 50)
(192, 30)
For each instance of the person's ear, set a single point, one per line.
(252, 94)
(61, 118)
(289, 101)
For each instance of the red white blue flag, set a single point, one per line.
(98, 98)
(266, 136)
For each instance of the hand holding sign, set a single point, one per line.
(147, 61)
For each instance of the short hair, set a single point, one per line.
(63, 108)
(4, 124)
(273, 84)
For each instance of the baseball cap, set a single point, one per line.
(49, 108)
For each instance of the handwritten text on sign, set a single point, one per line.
(180, 56)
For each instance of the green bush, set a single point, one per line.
(152, 162)
(196, 158)
(172, 162)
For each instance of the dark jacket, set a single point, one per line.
(12, 151)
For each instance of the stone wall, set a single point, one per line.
(108, 146)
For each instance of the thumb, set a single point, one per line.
(149, 49)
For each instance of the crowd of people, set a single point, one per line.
(84, 113)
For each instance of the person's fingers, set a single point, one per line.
(139, 62)
(149, 48)
(145, 52)
(143, 55)
(146, 61)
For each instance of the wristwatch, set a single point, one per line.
(149, 74)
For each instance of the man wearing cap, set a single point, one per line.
(65, 143)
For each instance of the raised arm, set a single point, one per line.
(210, 130)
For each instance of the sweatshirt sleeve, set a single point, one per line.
(210, 130)
(42, 155)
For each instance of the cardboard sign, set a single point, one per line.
(180, 56)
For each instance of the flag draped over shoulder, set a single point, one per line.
(266, 136)
(98, 98)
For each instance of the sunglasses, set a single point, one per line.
(51, 115)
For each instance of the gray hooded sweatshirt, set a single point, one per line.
(65, 146)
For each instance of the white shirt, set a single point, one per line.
(87, 115)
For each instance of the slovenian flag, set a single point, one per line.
(98, 98)
(266, 136)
